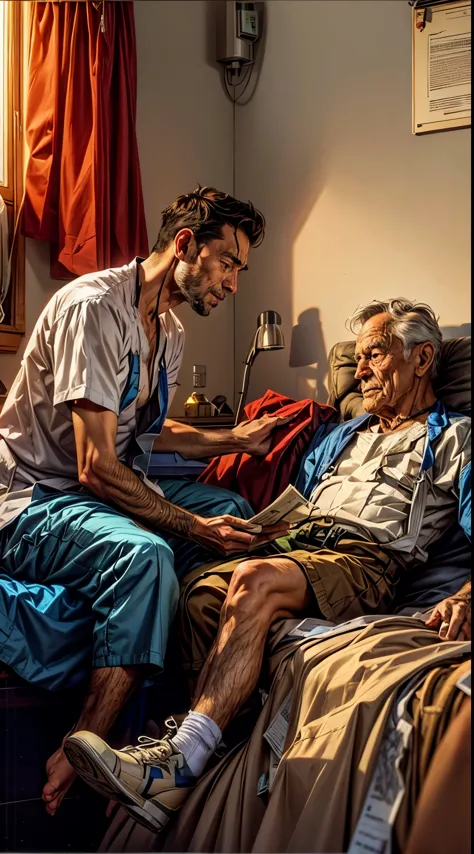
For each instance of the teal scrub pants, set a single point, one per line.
(82, 586)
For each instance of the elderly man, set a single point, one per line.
(384, 487)
(78, 515)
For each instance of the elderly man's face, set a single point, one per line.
(386, 378)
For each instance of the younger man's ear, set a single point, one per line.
(185, 245)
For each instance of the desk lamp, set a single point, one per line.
(267, 337)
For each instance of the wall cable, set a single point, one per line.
(234, 324)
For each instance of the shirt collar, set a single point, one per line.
(436, 422)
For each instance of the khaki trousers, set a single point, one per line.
(343, 690)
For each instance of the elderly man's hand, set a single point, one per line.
(256, 436)
(452, 617)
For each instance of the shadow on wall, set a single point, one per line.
(323, 189)
(286, 199)
(300, 374)
(463, 331)
(308, 355)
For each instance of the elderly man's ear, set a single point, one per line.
(423, 355)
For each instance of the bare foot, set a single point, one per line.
(61, 776)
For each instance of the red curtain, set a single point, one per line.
(83, 185)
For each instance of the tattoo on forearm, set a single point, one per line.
(125, 489)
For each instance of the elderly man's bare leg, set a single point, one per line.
(109, 689)
(153, 779)
(260, 592)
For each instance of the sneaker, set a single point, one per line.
(151, 780)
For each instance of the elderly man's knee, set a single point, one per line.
(268, 588)
(251, 585)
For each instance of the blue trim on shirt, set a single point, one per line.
(163, 398)
(465, 500)
(328, 443)
(133, 381)
(330, 440)
(437, 421)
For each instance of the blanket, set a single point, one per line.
(262, 479)
(343, 691)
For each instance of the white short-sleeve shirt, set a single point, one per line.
(85, 345)
(372, 485)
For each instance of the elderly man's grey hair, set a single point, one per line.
(413, 323)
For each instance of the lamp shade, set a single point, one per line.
(267, 337)
(269, 334)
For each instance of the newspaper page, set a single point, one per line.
(290, 505)
(441, 67)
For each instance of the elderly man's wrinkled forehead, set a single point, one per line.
(377, 332)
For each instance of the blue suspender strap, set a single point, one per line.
(465, 500)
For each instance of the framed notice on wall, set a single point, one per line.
(441, 59)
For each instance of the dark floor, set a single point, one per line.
(78, 826)
(32, 723)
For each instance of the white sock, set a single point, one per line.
(197, 739)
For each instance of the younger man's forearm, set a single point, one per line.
(123, 488)
(195, 444)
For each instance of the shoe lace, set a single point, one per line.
(150, 750)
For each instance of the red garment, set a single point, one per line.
(262, 479)
(83, 189)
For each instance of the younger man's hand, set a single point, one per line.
(256, 436)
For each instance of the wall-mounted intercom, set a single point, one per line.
(237, 30)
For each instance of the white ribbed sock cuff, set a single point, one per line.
(197, 739)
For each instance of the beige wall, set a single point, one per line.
(39, 288)
(357, 207)
(184, 128)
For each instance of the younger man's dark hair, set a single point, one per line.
(205, 211)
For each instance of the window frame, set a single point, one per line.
(12, 331)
